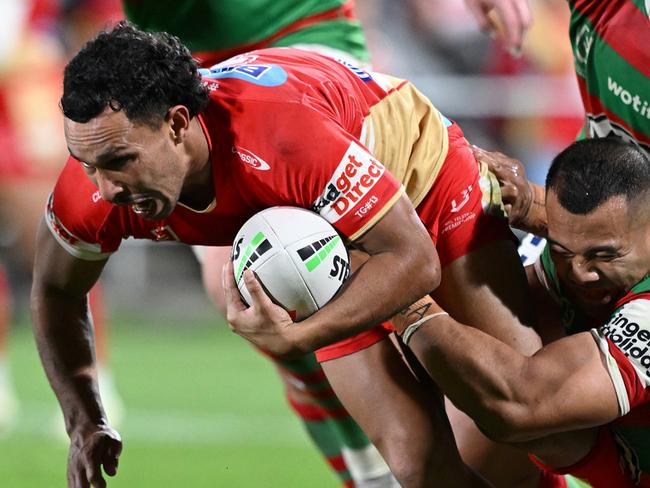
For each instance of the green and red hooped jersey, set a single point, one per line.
(624, 341)
(217, 29)
(611, 49)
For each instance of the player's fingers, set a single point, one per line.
(480, 14)
(93, 470)
(76, 474)
(491, 158)
(96, 479)
(74, 479)
(509, 194)
(233, 301)
(112, 458)
(86, 478)
(512, 25)
(258, 296)
(525, 14)
(506, 170)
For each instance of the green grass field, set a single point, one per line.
(203, 410)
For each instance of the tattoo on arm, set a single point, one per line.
(412, 315)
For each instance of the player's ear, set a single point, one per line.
(178, 118)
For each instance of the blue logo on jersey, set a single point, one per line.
(258, 74)
(364, 75)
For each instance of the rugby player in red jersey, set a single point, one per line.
(157, 154)
(331, 28)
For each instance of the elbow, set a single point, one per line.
(506, 422)
(428, 267)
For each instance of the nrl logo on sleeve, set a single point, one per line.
(242, 68)
(351, 184)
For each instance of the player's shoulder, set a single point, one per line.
(75, 196)
(254, 76)
(83, 223)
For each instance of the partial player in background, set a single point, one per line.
(30, 143)
(613, 74)
(509, 20)
(581, 405)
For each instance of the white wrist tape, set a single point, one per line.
(413, 328)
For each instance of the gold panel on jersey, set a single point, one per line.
(407, 134)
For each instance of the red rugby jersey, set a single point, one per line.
(284, 127)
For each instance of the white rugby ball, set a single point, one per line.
(296, 254)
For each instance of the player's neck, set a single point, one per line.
(198, 190)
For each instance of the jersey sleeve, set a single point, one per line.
(624, 342)
(317, 164)
(358, 193)
(79, 219)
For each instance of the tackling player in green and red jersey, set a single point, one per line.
(612, 64)
(581, 405)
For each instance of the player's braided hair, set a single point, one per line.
(127, 69)
(590, 172)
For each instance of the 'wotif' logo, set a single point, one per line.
(251, 159)
(315, 253)
(259, 246)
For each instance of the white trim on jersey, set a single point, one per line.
(367, 136)
(73, 245)
(629, 331)
(614, 374)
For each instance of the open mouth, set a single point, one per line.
(144, 207)
(596, 295)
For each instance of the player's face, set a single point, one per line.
(131, 164)
(598, 256)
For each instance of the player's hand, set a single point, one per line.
(90, 450)
(264, 323)
(514, 18)
(516, 191)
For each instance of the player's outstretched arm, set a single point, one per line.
(64, 336)
(525, 202)
(403, 265)
(514, 16)
(512, 397)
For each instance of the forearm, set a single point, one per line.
(516, 398)
(386, 283)
(64, 337)
(481, 375)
